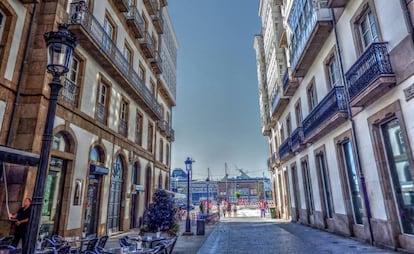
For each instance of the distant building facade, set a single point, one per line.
(336, 94)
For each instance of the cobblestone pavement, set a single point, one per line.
(263, 235)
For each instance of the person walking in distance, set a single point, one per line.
(263, 207)
(21, 220)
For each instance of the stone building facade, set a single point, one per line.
(113, 129)
(336, 94)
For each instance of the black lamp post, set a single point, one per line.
(60, 46)
(188, 167)
(208, 195)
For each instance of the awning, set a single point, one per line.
(98, 170)
(15, 156)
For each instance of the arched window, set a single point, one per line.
(61, 143)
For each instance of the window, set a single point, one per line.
(307, 184)
(333, 72)
(167, 154)
(368, 30)
(298, 114)
(101, 113)
(109, 35)
(352, 180)
(161, 154)
(288, 125)
(70, 89)
(149, 138)
(325, 183)
(123, 118)
(89, 4)
(312, 99)
(138, 129)
(129, 59)
(2, 23)
(153, 87)
(399, 168)
(141, 72)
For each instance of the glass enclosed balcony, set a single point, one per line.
(326, 116)
(290, 83)
(135, 22)
(92, 38)
(279, 103)
(371, 76)
(311, 24)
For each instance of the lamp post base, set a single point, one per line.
(188, 233)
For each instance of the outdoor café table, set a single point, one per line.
(128, 250)
(148, 240)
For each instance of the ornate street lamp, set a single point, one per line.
(60, 47)
(188, 167)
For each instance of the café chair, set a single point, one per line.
(6, 240)
(63, 250)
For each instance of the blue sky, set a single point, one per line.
(217, 116)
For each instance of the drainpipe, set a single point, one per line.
(354, 134)
(22, 69)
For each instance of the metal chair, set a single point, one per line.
(124, 241)
(102, 241)
(63, 250)
(6, 240)
(90, 245)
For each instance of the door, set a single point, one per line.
(92, 205)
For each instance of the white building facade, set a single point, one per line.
(336, 86)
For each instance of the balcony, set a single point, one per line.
(326, 116)
(163, 3)
(158, 22)
(93, 39)
(279, 103)
(147, 45)
(273, 160)
(290, 83)
(151, 6)
(156, 64)
(371, 76)
(70, 91)
(285, 150)
(162, 125)
(281, 35)
(135, 22)
(297, 139)
(311, 25)
(121, 5)
(171, 134)
(101, 113)
(337, 3)
(266, 130)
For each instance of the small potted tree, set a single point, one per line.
(160, 215)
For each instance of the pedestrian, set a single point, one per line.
(21, 219)
(263, 207)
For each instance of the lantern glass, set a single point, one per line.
(188, 163)
(59, 57)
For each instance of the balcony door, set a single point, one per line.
(115, 196)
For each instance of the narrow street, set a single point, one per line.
(246, 232)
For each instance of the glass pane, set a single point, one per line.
(400, 173)
(353, 182)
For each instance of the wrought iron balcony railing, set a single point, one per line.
(158, 22)
(135, 21)
(311, 23)
(147, 45)
(122, 5)
(138, 137)
(70, 92)
(273, 160)
(297, 139)
(330, 112)
(279, 103)
(162, 125)
(285, 150)
(123, 127)
(151, 6)
(112, 56)
(156, 63)
(101, 113)
(371, 76)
